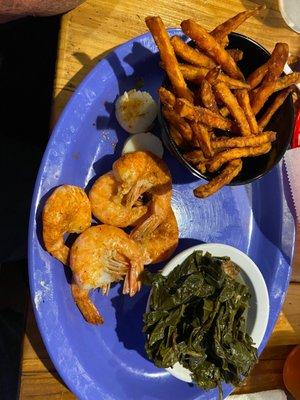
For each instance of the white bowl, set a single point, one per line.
(258, 314)
(290, 11)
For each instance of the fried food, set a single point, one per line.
(195, 156)
(197, 74)
(202, 135)
(276, 64)
(199, 114)
(255, 78)
(207, 43)
(190, 55)
(201, 167)
(213, 75)
(247, 141)
(233, 106)
(176, 136)
(67, 210)
(141, 173)
(101, 255)
(234, 153)
(108, 205)
(232, 169)
(222, 99)
(166, 97)
(221, 32)
(236, 54)
(162, 242)
(182, 126)
(287, 80)
(279, 100)
(224, 111)
(207, 96)
(244, 101)
(167, 54)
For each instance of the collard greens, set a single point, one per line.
(197, 317)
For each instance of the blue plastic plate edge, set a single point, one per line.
(287, 224)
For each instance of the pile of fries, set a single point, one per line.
(209, 93)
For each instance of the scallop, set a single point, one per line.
(145, 142)
(136, 111)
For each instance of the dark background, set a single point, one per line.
(27, 65)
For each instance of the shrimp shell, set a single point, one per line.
(142, 172)
(101, 255)
(162, 242)
(67, 210)
(108, 207)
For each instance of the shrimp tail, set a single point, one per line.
(134, 193)
(105, 289)
(132, 284)
(146, 227)
(85, 305)
(62, 254)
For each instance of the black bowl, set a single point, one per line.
(282, 121)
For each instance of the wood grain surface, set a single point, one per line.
(97, 26)
(87, 35)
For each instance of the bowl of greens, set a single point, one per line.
(206, 315)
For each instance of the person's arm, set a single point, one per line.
(13, 9)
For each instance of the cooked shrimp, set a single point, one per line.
(162, 242)
(108, 207)
(101, 255)
(67, 210)
(142, 172)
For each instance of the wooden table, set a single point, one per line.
(87, 35)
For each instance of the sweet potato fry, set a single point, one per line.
(198, 114)
(182, 126)
(236, 54)
(234, 153)
(224, 111)
(201, 134)
(207, 43)
(176, 136)
(276, 64)
(167, 54)
(201, 167)
(213, 75)
(233, 106)
(166, 97)
(190, 55)
(207, 96)
(279, 100)
(197, 74)
(226, 176)
(249, 141)
(287, 80)
(195, 157)
(221, 32)
(255, 78)
(244, 101)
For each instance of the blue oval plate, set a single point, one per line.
(109, 362)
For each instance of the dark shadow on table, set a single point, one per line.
(27, 64)
(13, 307)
